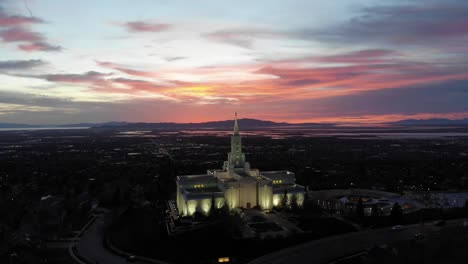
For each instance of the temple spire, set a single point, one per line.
(236, 126)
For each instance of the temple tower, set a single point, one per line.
(236, 159)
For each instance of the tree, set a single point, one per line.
(294, 204)
(360, 208)
(375, 210)
(285, 200)
(198, 215)
(225, 209)
(396, 214)
(213, 209)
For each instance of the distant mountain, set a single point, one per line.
(244, 123)
(109, 124)
(14, 125)
(432, 121)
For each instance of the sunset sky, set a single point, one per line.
(189, 61)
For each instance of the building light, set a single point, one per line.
(223, 260)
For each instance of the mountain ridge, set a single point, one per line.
(244, 122)
(431, 121)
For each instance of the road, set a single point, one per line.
(327, 249)
(91, 247)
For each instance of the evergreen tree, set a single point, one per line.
(396, 214)
(225, 209)
(285, 200)
(294, 204)
(213, 209)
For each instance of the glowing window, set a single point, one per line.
(223, 260)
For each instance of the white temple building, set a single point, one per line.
(236, 185)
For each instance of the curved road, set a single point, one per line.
(91, 247)
(328, 249)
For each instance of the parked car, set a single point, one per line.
(440, 223)
(397, 227)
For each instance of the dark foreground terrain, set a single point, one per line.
(53, 181)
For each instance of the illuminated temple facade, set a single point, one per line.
(236, 185)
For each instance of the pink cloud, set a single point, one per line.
(19, 34)
(140, 26)
(293, 79)
(6, 21)
(14, 28)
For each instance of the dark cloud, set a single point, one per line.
(20, 64)
(87, 77)
(97, 79)
(361, 56)
(32, 99)
(442, 23)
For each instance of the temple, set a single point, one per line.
(236, 185)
